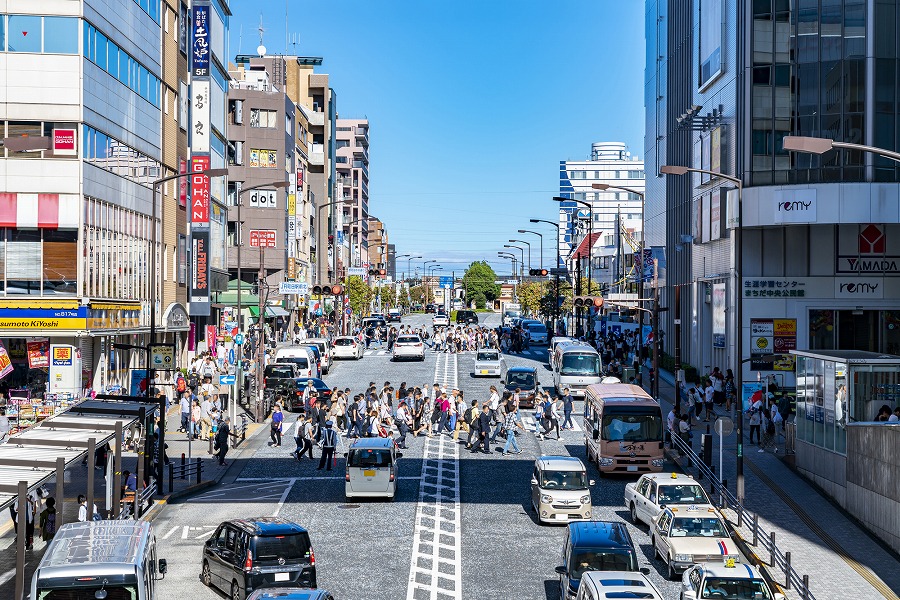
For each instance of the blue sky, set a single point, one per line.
(472, 105)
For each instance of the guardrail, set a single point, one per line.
(240, 432)
(133, 504)
(761, 539)
(185, 470)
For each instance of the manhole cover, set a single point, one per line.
(346, 506)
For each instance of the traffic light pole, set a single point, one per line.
(261, 342)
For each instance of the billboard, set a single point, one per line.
(718, 315)
(200, 272)
(199, 191)
(200, 45)
(711, 35)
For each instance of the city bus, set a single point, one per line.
(623, 429)
(576, 365)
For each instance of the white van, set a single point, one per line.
(560, 489)
(575, 366)
(301, 356)
(371, 468)
(325, 351)
(99, 559)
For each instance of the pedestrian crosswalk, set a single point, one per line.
(528, 422)
(376, 353)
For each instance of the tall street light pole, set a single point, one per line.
(409, 265)
(529, 250)
(555, 276)
(541, 241)
(590, 253)
(739, 302)
(514, 259)
(424, 271)
(520, 249)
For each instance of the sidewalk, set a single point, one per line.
(841, 559)
(76, 483)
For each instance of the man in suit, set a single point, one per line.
(484, 430)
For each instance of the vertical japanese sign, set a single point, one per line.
(718, 315)
(200, 50)
(182, 183)
(200, 116)
(200, 275)
(199, 192)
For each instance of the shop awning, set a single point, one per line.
(276, 311)
(254, 310)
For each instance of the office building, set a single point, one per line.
(352, 166)
(377, 243)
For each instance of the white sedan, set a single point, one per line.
(409, 347)
(688, 535)
(440, 320)
(347, 346)
(646, 497)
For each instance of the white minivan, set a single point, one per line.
(372, 468)
(301, 356)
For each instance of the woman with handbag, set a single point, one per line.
(277, 424)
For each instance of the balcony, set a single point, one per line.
(358, 164)
(317, 119)
(362, 136)
(317, 155)
(361, 151)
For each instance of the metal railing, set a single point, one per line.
(185, 470)
(240, 432)
(761, 539)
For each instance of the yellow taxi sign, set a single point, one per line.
(674, 475)
(729, 563)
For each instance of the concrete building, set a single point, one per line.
(820, 234)
(262, 146)
(377, 243)
(352, 166)
(616, 214)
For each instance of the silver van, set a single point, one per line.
(372, 468)
(560, 489)
(99, 559)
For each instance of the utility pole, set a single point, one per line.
(261, 342)
(677, 334)
(655, 316)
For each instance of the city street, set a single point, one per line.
(491, 545)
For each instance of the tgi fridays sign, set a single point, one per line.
(771, 340)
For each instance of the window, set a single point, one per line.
(182, 28)
(263, 118)
(118, 63)
(24, 33)
(61, 35)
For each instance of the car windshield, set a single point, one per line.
(113, 592)
(600, 560)
(487, 357)
(289, 547)
(522, 380)
(300, 361)
(535, 328)
(698, 527)
(279, 372)
(369, 457)
(563, 480)
(682, 494)
(639, 424)
(409, 339)
(585, 365)
(344, 342)
(735, 589)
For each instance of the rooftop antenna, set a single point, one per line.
(261, 50)
(240, 37)
(294, 41)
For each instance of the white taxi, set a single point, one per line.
(731, 579)
(646, 497)
(686, 535)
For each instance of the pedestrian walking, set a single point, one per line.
(568, 405)
(403, 420)
(509, 425)
(304, 439)
(277, 424)
(47, 521)
(484, 427)
(330, 440)
(221, 441)
(755, 417)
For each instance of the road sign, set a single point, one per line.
(293, 287)
(348, 312)
(162, 356)
(226, 379)
(512, 281)
(231, 356)
(724, 426)
(445, 281)
(239, 339)
(263, 238)
(559, 271)
(359, 271)
(446, 286)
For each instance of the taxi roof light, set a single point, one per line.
(674, 475)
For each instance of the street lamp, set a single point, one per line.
(424, 272)
(520, 249)
(555, 277)
(161, 446)
(816, 145)
(514, 259)
(737, 287)
(409, 264)
(590, 233)
(542, 243)
(529, 250)
(238, 369)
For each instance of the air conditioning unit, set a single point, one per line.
(238, 112)
(239, 153)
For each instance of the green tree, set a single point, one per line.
(360, 294)
(421, 294)
(478, 283)
(530, 295)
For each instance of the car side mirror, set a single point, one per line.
(562, 570)
(592, 482)
(534, 481)
(346, 454)
(691, 595)
(646, 571)
(162, 566)
(596, 434)
(399, 455)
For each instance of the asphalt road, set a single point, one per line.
(481, 527)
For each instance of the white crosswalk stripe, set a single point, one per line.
(528, 422)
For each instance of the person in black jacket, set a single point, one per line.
(221, 441)
(484, 430)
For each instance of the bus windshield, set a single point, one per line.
(585, 365)
(627, 424)
(113, 592)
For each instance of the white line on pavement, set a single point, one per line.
(170, 532)
(287, 490)
(7, 576)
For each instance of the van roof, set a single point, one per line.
(268, 526)
(596, 534)
(620, 392)
(560, 463)
(291, 351)
(575, 346)
(620, 584)
(116, 542)
(373, 443)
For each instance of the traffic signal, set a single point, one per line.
(538, 272)
(337, 289)
(588, 301)
(373, 272)
(328, 289)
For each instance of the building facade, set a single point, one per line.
(352, 166)
(377, 243)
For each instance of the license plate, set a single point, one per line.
(562, 517)
(282, 577)
(632, 467)
(369, 473)
(484, 371)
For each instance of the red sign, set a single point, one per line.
(38, 354)
(182, 183)
(299, 178)
(871, 240)
(263, 238)
(211, 339)
(199, 190)
(64, 142)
